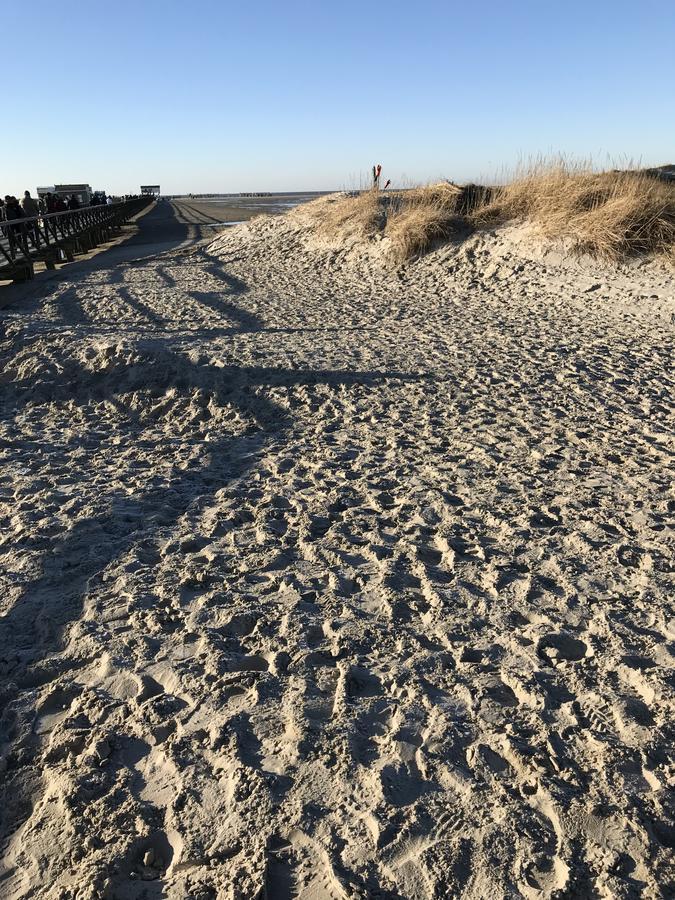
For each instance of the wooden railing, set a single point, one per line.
(57, 237)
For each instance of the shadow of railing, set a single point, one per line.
(32, 627)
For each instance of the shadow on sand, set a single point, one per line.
(32, 628)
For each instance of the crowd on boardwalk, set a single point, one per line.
(24, 217)
(30, 207)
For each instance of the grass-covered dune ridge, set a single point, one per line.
(613, 215)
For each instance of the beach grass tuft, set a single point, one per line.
(613, 214)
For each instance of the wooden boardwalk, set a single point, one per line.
(59, 237)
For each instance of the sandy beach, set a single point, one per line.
(324, 578)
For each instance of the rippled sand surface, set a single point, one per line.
(326, 580)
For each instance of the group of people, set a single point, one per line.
(10, 209)
(30, 207)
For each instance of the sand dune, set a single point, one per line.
(326, 579)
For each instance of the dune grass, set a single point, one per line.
(423, 217)
(358, 215)
(612, 215)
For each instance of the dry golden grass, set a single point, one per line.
(423, 216)
(416, 224)
(607, 214)
(413, 220)
(352, 216)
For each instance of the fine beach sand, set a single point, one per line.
(325, 578)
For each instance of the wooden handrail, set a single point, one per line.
(66, 212)
(49, 235)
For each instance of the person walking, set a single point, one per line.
(12, 208)
(31, 210)
(13, 211)
(29, 205)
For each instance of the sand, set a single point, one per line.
(322, 579)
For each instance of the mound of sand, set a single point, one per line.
(325, 578)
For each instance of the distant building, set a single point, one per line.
(83, 192)
(150, 190)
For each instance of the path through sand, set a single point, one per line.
(326, 582)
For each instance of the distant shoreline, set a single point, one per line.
(216, 196)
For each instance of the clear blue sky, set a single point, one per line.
(206, 95)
